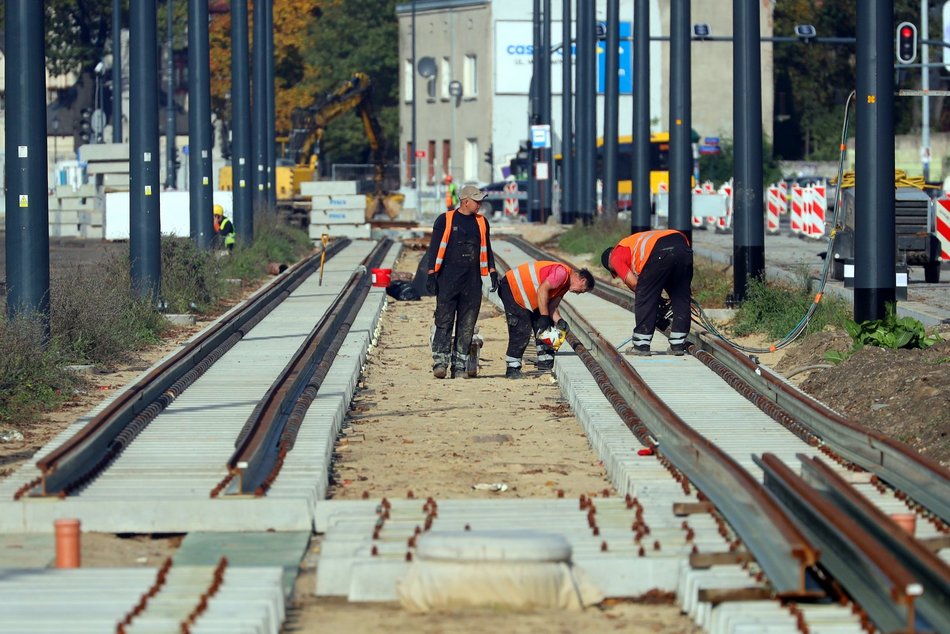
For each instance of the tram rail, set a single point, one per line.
(82, 457)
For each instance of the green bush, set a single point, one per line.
(191, 277)
(31, 377)
(891, 332)
(776, 310)
(94, 316)
(273, 242)
(712, 283)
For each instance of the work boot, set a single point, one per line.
(439, 370)
(513, 372)
(546, 366)
(458, 372)
(640, 351)
(677, 349)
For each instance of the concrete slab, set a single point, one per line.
(26, 550)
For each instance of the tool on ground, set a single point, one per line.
(325, 238)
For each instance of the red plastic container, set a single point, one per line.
(381, 277)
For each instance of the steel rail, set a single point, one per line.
(929, 570)
(103, 438)
(922, 479)
(784, 553)
(270, 430)
(875, 577)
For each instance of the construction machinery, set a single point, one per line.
(302, 146)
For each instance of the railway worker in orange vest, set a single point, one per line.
(459, 256)
(649, 262)
(531, 294)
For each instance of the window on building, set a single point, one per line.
(470, 77)
(430, 157)
(447, 157)
(407, 81)
(471, 160)
(446, 78)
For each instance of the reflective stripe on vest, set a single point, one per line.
(482, 251)
(229, 238)
(525, 280)
(641, 245)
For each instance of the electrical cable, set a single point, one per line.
(702, 319)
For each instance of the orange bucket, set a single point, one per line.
(381, 277)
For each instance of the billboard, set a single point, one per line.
(514, 52)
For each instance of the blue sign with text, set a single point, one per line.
(625, 63)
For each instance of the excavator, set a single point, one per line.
(303, 145)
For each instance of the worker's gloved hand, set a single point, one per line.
(494, 281)
(545, 322)
(562, 325)
(432, 285)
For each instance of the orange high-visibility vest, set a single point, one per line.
(525, 280)
(641, 245)
(482, 251)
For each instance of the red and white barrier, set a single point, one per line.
(697, 220)
(773, 209)
(943, 227)
(783, 195)
(797, 215)
(511, 199)
(724, 223)
(817, 208)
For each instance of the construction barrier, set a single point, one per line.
(943, 227)
(774, 209)
(697, 219)
(724, 223)
(817, 208)
(797, 211)
(511, 200)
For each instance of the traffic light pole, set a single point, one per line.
(27, 216)
(144, 220)
(199, 126)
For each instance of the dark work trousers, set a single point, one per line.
(669, 268)
(457, 305)
(522, 324)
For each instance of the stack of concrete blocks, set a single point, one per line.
(336, 209)
(108, 165)
(76, 213)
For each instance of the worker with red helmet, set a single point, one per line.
(531, 294)
(649, 262)
(451, 194)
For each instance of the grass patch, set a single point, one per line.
(191, 277)
(594, 238)
(776, 309)
(712, 283)
(273, 242)
(31, 378)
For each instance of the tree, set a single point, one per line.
(718, 168)
(349, 36)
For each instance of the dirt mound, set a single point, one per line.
(902, 393)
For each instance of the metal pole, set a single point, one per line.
(259, 107)
(568, 176)
(271, 118)
(925, 86)
(586, 128)
(749, 225)
(27, 217)
(611, 107)
(170, 172)
(547, 154)
(640, 197)
(875, 245)
(412, 141)
(144, 220)
(534, 116)
(681, 155)
(117, 71)
(241, 123)
(199, 125)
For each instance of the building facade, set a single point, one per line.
(472, 72)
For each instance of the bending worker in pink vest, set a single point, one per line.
(650, 262)
(459, 255)
(531, 294)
